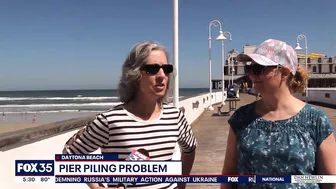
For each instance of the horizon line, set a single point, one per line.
(85, 89)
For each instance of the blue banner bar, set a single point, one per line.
(155, 179)
(174, 179)
(86, 157)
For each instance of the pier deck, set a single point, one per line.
(212, 131)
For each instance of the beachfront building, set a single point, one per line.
(322, 69)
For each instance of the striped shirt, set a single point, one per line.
(118, 131)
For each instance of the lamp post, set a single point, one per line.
(231, 64)
(176, 55)
(232, 70)
(223, 64)
(221, 37)
(300, 37)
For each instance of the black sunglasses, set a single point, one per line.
(256, 69)
(155, 68)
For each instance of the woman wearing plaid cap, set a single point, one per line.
(278, 134)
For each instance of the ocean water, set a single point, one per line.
(59, 101)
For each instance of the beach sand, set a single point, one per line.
(9, 127)
(16, 122)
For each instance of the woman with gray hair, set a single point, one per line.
(143, 120)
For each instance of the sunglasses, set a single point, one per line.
(155, 68)
(256, 69)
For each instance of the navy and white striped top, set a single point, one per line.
(118, 131)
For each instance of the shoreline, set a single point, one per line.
(18, 122)
(56, 116)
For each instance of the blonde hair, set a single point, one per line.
(298, 82)
(131, 70)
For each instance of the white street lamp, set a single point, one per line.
(230, 37)
(223, 64)
(300, 37)
(176, 54)
(221, 37)
(232, 70)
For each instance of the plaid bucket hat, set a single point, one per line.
(272, 52)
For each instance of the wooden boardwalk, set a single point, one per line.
(212, 131)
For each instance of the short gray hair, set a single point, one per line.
(131, 70)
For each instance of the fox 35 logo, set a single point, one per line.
(34, 167)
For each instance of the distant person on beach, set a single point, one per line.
(278, 134)
(34, 118)
(143, 120)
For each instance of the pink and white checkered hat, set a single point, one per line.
(273, 52)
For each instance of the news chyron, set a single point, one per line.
(107, 168)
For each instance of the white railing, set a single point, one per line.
(47, 148)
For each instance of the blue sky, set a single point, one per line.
(81, 44)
